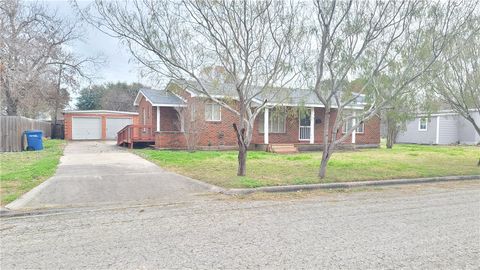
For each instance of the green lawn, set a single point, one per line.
(22, 171)
(267, 169)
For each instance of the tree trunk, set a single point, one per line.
(242, 161)
(391, 132)
(242, 151)
(475, 126)
(11, 103)
(326, 144)
(389, 141)
(11, 108)
(323, 164)
(57, 104)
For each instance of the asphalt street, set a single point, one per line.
(433, 226)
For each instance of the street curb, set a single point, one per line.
(347, 185)
(27, 197)
(76, 209)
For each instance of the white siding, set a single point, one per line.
(448, 129)
(453, 129)
(466, 131)
(412, 135)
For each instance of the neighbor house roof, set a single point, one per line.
(274, 96)
(159, 98)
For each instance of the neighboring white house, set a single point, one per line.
(444, 127)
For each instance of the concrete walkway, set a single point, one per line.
(96, 173)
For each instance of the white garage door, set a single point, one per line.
(84, 128)
(114, 125)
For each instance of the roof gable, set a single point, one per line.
(159, 98)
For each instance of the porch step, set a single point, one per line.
(282, 148)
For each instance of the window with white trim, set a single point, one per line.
(193, 115)
(423, 124)
(144, 116)
(213, 112)
(277, 120)
(349, 124)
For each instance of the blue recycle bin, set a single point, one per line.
(34, 139)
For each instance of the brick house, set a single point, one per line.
(295, 119)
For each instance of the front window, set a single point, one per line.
(192, 112)
(349, 124)
(423, 124)
(213, 112)
(276, 122)
(144, 117)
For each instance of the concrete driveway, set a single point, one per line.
(94, 173)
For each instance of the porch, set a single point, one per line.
(135, 134)
(166, 128)
(298, 128)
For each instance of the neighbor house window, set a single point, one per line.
(276, 122)
(213, 112)
(349, 124)
(423, 124)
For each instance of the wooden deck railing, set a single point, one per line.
(135, 133)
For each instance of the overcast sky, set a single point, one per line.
(118, 67)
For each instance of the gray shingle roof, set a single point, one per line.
(157, 97)
(272, 95)
(275, 95)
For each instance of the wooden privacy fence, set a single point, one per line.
(12, 128)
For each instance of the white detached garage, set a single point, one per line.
(96, 124)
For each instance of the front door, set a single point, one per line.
(304, 126)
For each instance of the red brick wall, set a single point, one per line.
(170, 139)
(370, 136)
(372, 132)
(215, 134)
(169, 119)
(290, 135)
(150, 113)
(221, 133)
(104, 116)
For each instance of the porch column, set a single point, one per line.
(265, 126)
(312, 125)
(182, 121)
(158, 118)
(354, 133)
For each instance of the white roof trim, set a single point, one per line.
(136, 101)
(315, 105)
(444, 113)
(98, 112)
(169, 105)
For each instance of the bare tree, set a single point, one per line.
(361, 39)
(33, 57)
(251, 41)
(458, 79)
(192, 122)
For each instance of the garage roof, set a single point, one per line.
(99, 112)
(159, 98)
